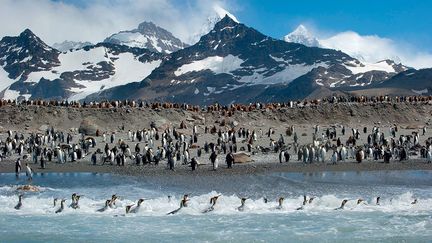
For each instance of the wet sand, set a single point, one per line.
(256, 167)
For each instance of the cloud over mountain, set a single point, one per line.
(367, 48)
(94, 20)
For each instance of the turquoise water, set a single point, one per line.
(395, 220)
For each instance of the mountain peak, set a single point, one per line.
(27, 33)
(213, 18)
(148, 26)
(148, 36)
(302, 36)
(301, 29)
(222, 13)
(226, 21)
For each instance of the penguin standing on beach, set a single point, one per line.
(18, 167)
(29, 172)
(281, 156)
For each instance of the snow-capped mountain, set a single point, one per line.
(32, 69)
(148, 36)
(303, 36)
(70, 45)
(236, 63)
(217, 15)
(231, 63)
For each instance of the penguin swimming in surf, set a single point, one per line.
(128, 208)
(19, 205)
(61, 206)
(378, 201)
(415, 201)
(107, 203)
(75, 200)
(241, 207)
(113, 200)
(303, 204)
(55, 202)
(342, 205)
(137, 208)
(183, 203)
(280, 206)
(213, 201)
(311, 200)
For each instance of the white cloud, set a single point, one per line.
(97, 19)
(366, 48)
(372, 48)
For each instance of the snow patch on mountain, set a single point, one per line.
(367, 67)
(288, 74)
(71, 61)
(11, 94)
(127, 69)
(216, 64)
(70, 45)
(5, 81)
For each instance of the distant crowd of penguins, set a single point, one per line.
(217, 107)
(131, 209)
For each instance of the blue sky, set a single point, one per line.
(403, 20)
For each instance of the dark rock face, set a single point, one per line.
(19, 56)
(417, 81)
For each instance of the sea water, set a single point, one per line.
(394, 220)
